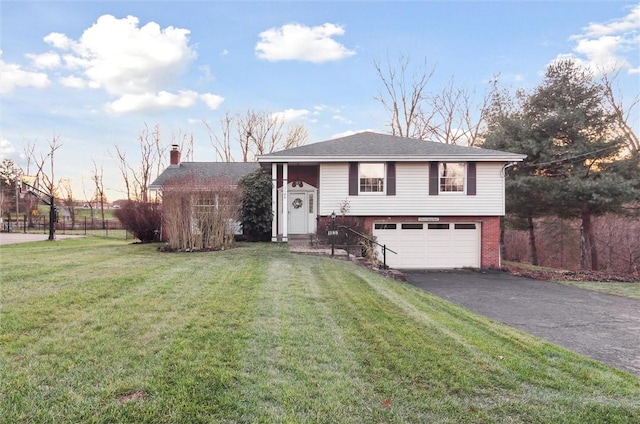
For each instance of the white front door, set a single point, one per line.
(297, 212)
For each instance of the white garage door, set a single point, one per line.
(430, 245)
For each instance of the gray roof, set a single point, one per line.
(370, 145)
(232, 170)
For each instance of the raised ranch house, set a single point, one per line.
(437, 205)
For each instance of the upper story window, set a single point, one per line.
(371, 177)
(451, 177)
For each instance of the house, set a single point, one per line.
(205, 171)
(233, 171)
(437, 205)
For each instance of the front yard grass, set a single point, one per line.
(100, 331)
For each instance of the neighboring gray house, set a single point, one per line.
(233, 171)
(438, 205)
(205, 170)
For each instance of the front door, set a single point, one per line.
(297, 212)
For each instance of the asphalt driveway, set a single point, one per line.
(601, 326)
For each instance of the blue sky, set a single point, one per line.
(94, 73)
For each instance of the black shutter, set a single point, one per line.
(353, 178)
(433, 178)
(391, 178)
(471, 178)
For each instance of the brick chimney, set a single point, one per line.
(174, 158)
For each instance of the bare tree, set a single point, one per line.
(296, 136)
(256, 133)
(152, 152)
(451, 115)
(45, 178)
(267, 132)
(99, 195)
(622, 114)
(66, 194)
(89, 199)
(404, 96)
(186, 143)
(148, 141)
(454, 118)
(221, 144)
(123, 165)
(45, 183)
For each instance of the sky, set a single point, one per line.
(95, 73)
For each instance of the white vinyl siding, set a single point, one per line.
(412, 193)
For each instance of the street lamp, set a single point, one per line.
(47, 199)
(333, 231)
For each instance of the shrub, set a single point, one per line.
(256, 215)
(142, 219)
(200, 213)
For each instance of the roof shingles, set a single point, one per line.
(370, 144)
(232, 170)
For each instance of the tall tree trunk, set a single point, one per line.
(533, 252)
(587, 240)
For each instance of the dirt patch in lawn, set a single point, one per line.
(131, 396)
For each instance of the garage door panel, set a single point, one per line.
(432, 245)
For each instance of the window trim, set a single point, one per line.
(464, 179)
(384, 180)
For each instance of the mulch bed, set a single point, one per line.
(563, 275)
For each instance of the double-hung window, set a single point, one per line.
(371, 177)
(451, 177)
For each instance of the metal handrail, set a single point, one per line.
(384, 246)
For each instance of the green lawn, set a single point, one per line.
(101, 331)
(630, 289)
(621, 289)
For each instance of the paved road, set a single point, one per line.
(601, 326)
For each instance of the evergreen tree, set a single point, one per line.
(577, 165)
(256, 205)
(526, 200)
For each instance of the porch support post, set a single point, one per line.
(274, 202)
(285, 201)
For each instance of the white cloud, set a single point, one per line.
(6, 148)
(629, 23)
(153, 101)
(213, 101)
(351, 132)
(73, 82)
(123, 59)
(299, 42)
(137, 65)
(12, 76)
(207, 76)
(58, 40)
(342, 119)
(606, 46)
(289, 115)
(45, 60)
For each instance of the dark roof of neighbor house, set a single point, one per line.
(232, 170)
(371, 145)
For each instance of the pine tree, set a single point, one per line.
(577, 165)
